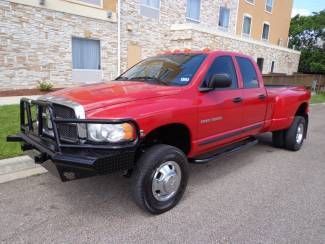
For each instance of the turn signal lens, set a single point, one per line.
(129, 132)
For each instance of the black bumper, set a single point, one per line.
(71, 161)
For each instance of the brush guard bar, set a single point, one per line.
(66, 159)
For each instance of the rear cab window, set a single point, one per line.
(248, 72)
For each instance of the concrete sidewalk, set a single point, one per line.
(18, 167)
(14, 100)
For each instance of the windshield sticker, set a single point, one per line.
(185, 79)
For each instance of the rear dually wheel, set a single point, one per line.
(292, 138)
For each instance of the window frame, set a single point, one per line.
(268, 35)
(100, 51)
(191, 19)
(257, 62)
(265, 7)
(81, 2)
(272, 67)
(234, 69)
(251, 3)
(222, 27)
(241, 74)
(250, 28)
(150, 7)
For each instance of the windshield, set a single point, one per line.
(169, 70)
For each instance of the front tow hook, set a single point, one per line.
(41, 158)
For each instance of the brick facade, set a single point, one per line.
(285, 60)
(153, 35)
(35, 42)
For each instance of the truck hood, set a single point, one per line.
(113, 92)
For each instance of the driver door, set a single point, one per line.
(220, 110)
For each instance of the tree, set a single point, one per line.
(307, 34)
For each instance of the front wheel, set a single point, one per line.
(160, 178)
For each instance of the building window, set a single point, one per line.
(150, 8)
(265, 32)
(247, 24)
(269, 5)
(272, 67)
(250, 1)
(98, 3)
(193, 10)
(134, 54)
(260, 62)
(224, 15)
(85, 53)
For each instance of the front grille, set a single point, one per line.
(63, 112)
(66, 131)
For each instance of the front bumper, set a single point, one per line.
(71, 161)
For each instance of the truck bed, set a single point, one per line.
(282, 86)
(284, 100)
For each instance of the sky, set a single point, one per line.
(307, 7)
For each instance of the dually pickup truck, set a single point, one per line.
(163, 113)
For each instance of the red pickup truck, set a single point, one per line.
(158, 116)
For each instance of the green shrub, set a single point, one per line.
(45, 85)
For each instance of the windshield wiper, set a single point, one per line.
(149, 78)
(122, 78)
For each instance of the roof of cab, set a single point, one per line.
(204, 51)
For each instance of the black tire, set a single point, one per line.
(291, 142)
(144, 173)
(278, 138)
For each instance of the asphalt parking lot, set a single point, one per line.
(261, 195)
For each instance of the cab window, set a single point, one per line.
(222, 65)
(248, 72)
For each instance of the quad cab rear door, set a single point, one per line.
(254, 95)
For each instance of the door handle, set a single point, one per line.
(262, 96)
(237, 99)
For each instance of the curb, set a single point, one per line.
(15, 99)
(313, 104)
(18, 168)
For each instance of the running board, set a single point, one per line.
(238, 146)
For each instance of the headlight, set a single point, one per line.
(111, 132)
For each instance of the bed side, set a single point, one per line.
(284, 103)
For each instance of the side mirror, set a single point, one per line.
(219, 81)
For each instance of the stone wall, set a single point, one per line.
(35, 44)
(153, 36)
(189, 36)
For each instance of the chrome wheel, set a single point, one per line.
(166, 181)
(300, 133)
